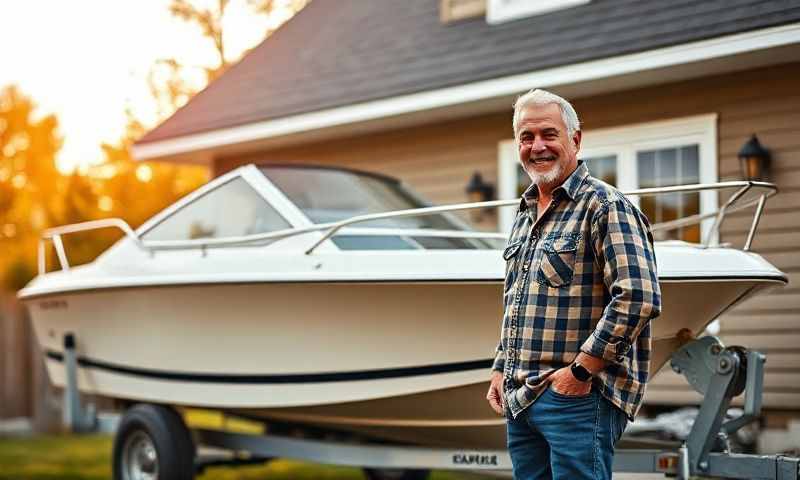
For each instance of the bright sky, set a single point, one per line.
(86, 60)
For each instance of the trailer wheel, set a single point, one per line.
(153, 443)
(395, 474)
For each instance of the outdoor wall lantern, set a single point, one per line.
(479, 191)
(754, 160)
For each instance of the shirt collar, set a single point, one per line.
(569, 187)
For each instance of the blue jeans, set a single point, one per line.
(565, 438)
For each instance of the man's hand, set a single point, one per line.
(495, 394)
(564, 382)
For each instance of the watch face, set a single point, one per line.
(580, 372)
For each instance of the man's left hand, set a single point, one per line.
(564, 382)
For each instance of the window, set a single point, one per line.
(231, 210)
(674, 152)
(670, 166)
(358, 193)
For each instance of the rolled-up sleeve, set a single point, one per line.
(623, 246)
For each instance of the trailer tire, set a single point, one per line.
(152, 439)
(396, 474)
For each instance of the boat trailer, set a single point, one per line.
(717, 372)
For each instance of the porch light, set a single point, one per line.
(754, 160)
(479, 191)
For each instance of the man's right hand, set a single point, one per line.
(495, 394)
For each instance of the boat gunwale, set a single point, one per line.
(331, 228)
(778, 278)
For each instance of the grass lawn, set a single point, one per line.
(89, 458)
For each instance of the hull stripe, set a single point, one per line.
(377, 374)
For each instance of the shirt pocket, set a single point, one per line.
(511, 255)
(557, 266)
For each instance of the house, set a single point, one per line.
(668, 93)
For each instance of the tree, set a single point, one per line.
(286, 8)
(169, 78)
(210, 23)
(135, 191)
(29, 181)
(35, 196)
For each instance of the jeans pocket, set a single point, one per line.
(564, 396)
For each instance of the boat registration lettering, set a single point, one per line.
(474, 459)
(53, 304)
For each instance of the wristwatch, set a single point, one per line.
(580, 372)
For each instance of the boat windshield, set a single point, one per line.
(330, 195)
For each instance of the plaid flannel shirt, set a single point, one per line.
(581, 278)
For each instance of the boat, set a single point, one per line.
(331, 300)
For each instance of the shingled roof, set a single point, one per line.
(343, 52)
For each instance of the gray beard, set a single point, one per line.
(548, 178)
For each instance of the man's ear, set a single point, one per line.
(576, 139)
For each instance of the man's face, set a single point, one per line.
(546, 151)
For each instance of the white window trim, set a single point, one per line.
(501, 11)
(624, 142)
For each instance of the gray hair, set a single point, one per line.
(543, 97)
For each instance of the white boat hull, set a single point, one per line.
(398, 360)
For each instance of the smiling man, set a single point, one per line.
(580, 291)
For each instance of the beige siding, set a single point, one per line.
(439, 159)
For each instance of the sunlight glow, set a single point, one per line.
(9, 230)
(104, 171)
(144, 173)
(19, 180)
(105, 203)
(97, 80)
(21, 142)
(9, 150)
(38, 217)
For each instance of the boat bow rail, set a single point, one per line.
(734, 203)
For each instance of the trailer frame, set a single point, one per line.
(717, 372)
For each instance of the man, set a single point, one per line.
(580, 291)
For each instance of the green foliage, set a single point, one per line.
(55, 457)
